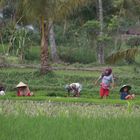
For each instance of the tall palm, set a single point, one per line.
(45, 10)
(53, 46)
(129, 8)
(100, 46)
(123, 54)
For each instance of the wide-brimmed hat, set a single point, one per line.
(124, 86)
(21, 84)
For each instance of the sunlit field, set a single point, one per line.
(51, 114)
(34, 120)
(53, 83)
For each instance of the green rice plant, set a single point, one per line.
(82, 55)
(70, 128)
(130, 106)
(53, 84)
(52, 107)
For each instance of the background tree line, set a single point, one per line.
(82, 31)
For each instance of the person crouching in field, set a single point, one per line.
(106, 81)
(125, 94)
(74, 88)
(2, 90)
(23, 90)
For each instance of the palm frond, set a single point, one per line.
(54, 9)
(67, 7)
(122, 54)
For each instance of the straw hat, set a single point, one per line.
(129, 87)
(21, 84)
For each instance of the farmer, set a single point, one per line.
(2, 90)
(23, 90)
(125, 94)
(74, 88)
(106, 80)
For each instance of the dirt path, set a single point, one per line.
(53, 68)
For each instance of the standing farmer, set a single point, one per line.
(106, 80)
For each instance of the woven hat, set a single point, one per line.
(124, 86)
(21, 84)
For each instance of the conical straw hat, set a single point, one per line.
(21, 84)
(129, 87)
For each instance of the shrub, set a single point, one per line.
(80, 55)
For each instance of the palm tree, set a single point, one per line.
(43, 11)
(129, 8)
(100, 46)
(53, 46)
(123, 54)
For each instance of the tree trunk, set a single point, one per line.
(101, 16)
(54, 55)
(100, 48)
(101, 53)
(65, 27)
(45, 67)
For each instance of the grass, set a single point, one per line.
(50, 87)
(37, 120)
(51, 115)
(74, 128)
(111, 100)
(53, 83)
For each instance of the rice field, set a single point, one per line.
(58, 109)
(51, 115)
(41, 120)
(53, 83)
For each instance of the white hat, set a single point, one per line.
(129, 87)
(21, 84)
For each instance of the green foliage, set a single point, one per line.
(75, 45)
(104, 39)
(134, 41)
(33, 54)
(92, 27)
(21, 44)
(11, 60)
(53, 83)
(6, 32)
(80, 37)
(69, 126)
(113, 24)
(78, 54)
(2, 60)
(56, 10)
(129, 106)
(20, 41)
(118, 3)
(122, 54)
